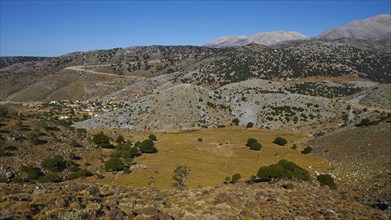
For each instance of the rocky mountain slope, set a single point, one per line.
(263, 38)
(7, 61)
(373, 28)
(99, 74)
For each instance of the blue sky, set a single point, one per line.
(52, 28)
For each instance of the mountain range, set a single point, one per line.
(373, 28)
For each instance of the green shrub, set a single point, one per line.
(280, 141)
(253, 144)
(284, 169)
(81, 131)
(120, 139)
(79, 174)
(33, 138)
(18, 179)
(49, 177)
(102, 140)
(114, 164)
(33, 173)
(147, 146)
(365, 122)
(250, 141)
(236, 177)
(152, 137)
(256, 146)
(236, 121)
(306, 150)
(54, 164)
(199, 139)
(250, 125)
(75, 144)
(327, 180)
(294, 147)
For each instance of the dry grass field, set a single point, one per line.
(221, 153)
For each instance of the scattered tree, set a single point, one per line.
(250, 125)
(147, 146)
(306, 150)
(280, 141)
(180, 174)
(235, 121)
(253, 144)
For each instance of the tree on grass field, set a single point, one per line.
(180, 174)
(250, 125)
(280, 141)
(253, 144)
(284, 169)
(147, 146)
(114, 164)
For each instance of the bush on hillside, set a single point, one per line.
(147, 146)
(54, 164)
(365, 122)
(280, 141)
(75, 144)
(120, 139)
(79, 174)
(33, 138)
(327, 180)
(284, 169)
(114, 164)
(32, 173)
(49, 177)
(102, 140)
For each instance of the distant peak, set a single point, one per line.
(264, 38)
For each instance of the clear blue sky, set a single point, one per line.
(52, 28)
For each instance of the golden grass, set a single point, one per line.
(221, 153)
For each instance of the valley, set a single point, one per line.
(275, 125)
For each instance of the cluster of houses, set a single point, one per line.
(82, 108)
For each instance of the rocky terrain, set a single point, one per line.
(364, 157)
(239, 201)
